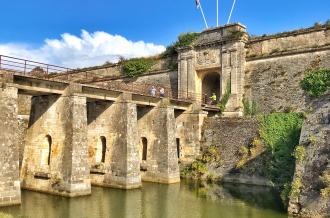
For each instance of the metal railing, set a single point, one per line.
(53, 72)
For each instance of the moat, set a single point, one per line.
(185, 199)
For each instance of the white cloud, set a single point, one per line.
(89, 49)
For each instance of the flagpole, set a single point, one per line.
(217, 13)
(200, 5)
(231, 11)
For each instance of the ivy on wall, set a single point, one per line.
(316, 82)
(225, 98)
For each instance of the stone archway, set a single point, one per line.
(211, 83)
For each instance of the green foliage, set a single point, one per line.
(295, 188)
(281, 132)
(199, 168)
(224, 100)
(299, 153)
(325, 178)
(185, 39)
(316, 82)
(137, 66)
(250, 107)
(237, 34)
(312, 139)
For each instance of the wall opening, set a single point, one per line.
(104, 148)
(144, 148)
(210, 85)
(178, 147)
(49, 141)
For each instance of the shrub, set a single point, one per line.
(137, 66)
(250, 107)
(183, 40)
(299, 153)
(325, 178)
(316, 83)
(295, 187)
(280, 133)
(224, 100)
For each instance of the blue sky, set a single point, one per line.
(26, 25)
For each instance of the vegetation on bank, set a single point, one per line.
(325, 178)
(199, 168)
(280, 133)
(316, 83)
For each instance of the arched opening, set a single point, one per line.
(144, 148)
(210, 85)
(104, 148)
(49, 140)
(178, 147)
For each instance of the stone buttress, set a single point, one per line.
(113, 143)
(157, 143)
(10, 192)
(55, 157)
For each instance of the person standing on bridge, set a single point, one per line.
(153, 91)
(162, 92)
(213, 98)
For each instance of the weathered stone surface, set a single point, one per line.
(157, 126)
(10, 192)
(55, 156)
(307, 200)
(229, 135)
(117, 123)
(188, 133)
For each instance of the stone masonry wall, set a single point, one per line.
(307, 200)
(229, 135)
(55, 156)
(10, 192)
(117, 123)
(157, 125)
(276, 64)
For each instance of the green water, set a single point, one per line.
(155, 201)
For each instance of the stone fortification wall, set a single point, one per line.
(115, 70)
(276, 64)
(230, 135)
(310, 196)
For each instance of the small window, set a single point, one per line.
(144, 148)
(49, 140)
(178, 147)
(104, 148)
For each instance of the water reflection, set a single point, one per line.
(187, 199)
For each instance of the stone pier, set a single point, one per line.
(10, 192)
(55, 156)
(158, 150)
(113, 143)
(188, 133)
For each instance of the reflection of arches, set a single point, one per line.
(144, 148)
(101, 150)
(211, 84)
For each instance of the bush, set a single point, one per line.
(295, 187)
(325, 178)
(250, 108)
(224, 100)
(281, 132)
(184, 40)
(137, 66)
(316, 83)
(299, 153)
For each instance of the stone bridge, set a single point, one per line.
(81, 135)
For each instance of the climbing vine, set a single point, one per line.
(224, 100)
(316, 82)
